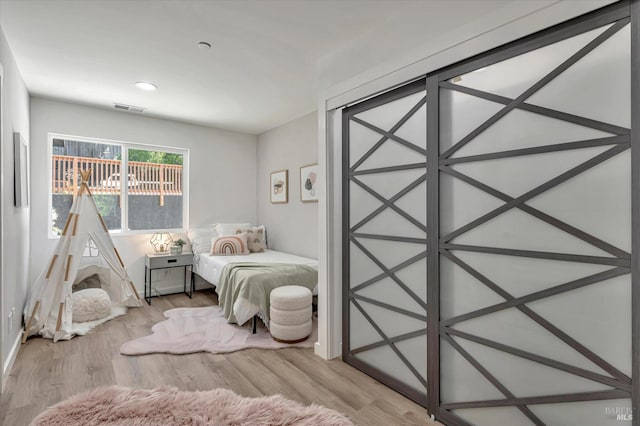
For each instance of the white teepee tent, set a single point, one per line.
(49, 307)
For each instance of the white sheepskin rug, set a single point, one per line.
(120, 406)
(82, 328)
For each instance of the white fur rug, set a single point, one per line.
(189, 330)
(119, 406)
(82, 328)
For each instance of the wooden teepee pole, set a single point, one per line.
(133, 288)
(67, 223)
(53, 262)
(33, 314)
(84, 186)
(59, 322)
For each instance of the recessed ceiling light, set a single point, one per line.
(145, 85)
(204, 45)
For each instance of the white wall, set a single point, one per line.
(222, 179)
(15, 221)
(400, 50)
(291, 227)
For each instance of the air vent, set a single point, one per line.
(129, 108)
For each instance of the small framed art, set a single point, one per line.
(279, 187)
(308, 183)
(21, 171)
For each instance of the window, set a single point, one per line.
(151, 196)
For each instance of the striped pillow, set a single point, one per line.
(230, 245)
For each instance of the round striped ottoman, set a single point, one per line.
(290, 314)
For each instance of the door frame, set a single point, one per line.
(556, 33)
(390, 96)
(608, 14)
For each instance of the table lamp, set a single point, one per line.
(161, 242)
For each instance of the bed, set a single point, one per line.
(240, 309)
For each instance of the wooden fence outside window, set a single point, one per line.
(105, 178)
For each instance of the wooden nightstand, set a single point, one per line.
(165, 261)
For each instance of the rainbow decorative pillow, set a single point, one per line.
(230, 245)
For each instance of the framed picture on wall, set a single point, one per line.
(279, 187)
(21, 171)
(308, 183)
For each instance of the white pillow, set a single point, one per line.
(90, 304)
(200, 239)
(226, 229)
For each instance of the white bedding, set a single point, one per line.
(210, 267)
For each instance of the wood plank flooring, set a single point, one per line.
(46, 372)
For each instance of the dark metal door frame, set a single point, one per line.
(350, 234)
(621, 262)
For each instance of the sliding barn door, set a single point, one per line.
(384, 235)
(535, 235)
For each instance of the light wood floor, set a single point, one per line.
(46, 372)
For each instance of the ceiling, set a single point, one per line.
(261, 71)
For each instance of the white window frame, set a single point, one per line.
(124, 182)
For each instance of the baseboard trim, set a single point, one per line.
(176, 288)
(13, 354)
(170, 289)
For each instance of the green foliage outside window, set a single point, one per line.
(107, 204)
(157, 157)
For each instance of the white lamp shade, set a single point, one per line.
(161, 242)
